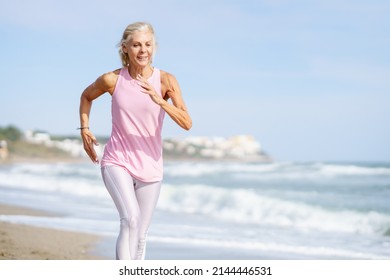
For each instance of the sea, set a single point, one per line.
(222, 210)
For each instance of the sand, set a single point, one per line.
(22, 242)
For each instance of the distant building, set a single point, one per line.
(240, 147)
(37, 137)
(3, 150)
(72, 146)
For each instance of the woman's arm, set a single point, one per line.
(103, 84)
(170, 89)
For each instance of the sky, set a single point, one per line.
(309, 79)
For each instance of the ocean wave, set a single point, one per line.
(280, 170)
(189, 169)
(62, 179)
(57, 169)
(247, 206)
(347, 170)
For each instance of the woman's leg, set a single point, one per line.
(120, 185)
(147, 196)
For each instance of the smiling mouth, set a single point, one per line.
(142, 58)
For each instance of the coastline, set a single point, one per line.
(25, 242)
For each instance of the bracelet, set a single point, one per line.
(83, 127)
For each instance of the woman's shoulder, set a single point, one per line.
(169, 84)
(107, 81)
(111, 75)
(165, 74)
(167, 78)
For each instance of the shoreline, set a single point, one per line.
(38, 160)
(25, 242)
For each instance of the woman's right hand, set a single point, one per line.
(89, 141)
(105, 83)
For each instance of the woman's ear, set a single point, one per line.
(124, 49)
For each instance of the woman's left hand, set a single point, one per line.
(149, 89)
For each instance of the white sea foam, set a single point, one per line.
(53, 178)
(246, 206)
(189, 169)
(279, 169)
(348, 170)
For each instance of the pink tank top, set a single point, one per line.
(137, 121)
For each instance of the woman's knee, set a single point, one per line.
(132, 222)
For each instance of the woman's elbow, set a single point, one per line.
(187, 125)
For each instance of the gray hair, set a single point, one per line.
(127, 35)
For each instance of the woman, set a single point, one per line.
(132, 162)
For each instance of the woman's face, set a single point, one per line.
(140, 48)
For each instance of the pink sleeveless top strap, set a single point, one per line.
(137, 121)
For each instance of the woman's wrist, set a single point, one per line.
(159, 100)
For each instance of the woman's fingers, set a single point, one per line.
(89, 141)
(149, 89)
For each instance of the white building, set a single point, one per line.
(241, 147)
(3, 150)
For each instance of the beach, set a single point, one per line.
(25, 242)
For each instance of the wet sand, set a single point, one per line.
(24, 242)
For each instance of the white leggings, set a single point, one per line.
(135, 201)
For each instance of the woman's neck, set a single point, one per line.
(145, 72)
